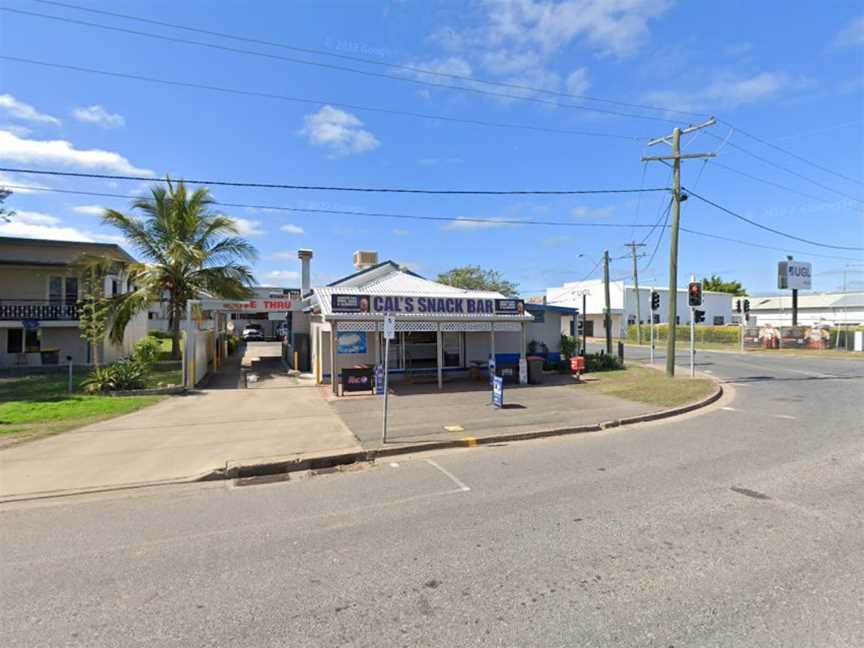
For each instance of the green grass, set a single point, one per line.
(39, 405)
(650, 386)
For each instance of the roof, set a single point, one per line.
(808, 300)
(388, 279)
(549, 308)
(17, 250)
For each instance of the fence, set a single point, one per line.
(730, 335)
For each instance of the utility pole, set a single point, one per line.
(633, 245)
(584, 329)
(674, 140)
(607, 312)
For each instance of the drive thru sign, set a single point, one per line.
(389, 326)
(389, 334)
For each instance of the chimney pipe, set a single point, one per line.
(305, 257)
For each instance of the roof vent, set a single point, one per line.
(365, 259)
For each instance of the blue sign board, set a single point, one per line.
(379, 379)
(30, 324)
(413, 304)
(498, 391)
(491, 369)
(351, 342)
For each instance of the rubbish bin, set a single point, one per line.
(535, 369)
(509, 371)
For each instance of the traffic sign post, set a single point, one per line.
(389, 334)
(655, 305)
(694, 293)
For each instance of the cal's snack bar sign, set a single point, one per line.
(422, 305)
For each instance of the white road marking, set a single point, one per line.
(786, 416)
(453, 477)
(393, 464)
(729, 409)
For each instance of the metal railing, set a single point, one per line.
(33, 309)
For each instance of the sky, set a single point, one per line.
(789, 74)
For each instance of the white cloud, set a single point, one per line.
(339, 131)
(247, 227)
(291, 229)
(401, 232)
(727, 91)
(852, 35)
(466, 224)
(89, 210)
(35, 218)
(577, 81)
(20, 186)
(61, 152)
(592, 212)
(283, 275)
(17, 129)
(20, 110)
(287, 255)
(96, 114)
(450, 65)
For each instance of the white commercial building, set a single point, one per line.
(825, 309)
(623, 311)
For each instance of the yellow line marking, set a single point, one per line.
(471, 442)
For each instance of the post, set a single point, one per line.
(187, 356)
(584, 328)
(794, 307)
(651, 315)
(607, 317)
(334, 386)
(492, 339)
(438, 356)
(633, 245)
(386, 387)
(692, 336)
(69, 360)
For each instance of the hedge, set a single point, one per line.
(717, 334)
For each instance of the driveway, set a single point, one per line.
(184, 436)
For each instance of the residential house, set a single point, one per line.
(39, 311)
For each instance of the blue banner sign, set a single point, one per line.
(436, 305)
(350, 343)
(498, 391)
(379, 379)
(491, 369)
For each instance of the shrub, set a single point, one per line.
(595, 362)
(121, 375)
(147, 351)
(160, 335)
(233, 343)
(568, 346)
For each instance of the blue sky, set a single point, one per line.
(790, 73)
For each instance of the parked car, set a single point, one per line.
(282, 330)
(253, 333)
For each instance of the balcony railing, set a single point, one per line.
(31, 309)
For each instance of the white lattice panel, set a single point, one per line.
(360, 325)
(470, 327)
(415, 327)
(508, 326)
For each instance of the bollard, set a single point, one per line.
(621, 351)
(69, 360)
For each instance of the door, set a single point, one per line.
(452, 349)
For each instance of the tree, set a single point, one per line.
(189, 251)
(94, 306)
(716, 284)
(476, 278)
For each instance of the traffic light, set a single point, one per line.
(695, 293)
(655, 300)
(746, 305)
(698, 316)
(737, 305)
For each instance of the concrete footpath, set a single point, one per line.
(181, 437)
(271, 422)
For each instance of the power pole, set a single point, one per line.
(607, 312)
(633, 245)
(674, 140)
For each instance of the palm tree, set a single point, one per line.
(188, 250)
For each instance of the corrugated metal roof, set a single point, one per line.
(811, 300)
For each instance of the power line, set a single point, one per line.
(659, 238)
(415, 217)
(791, 154)
(767, 228)
(346, 212)
(765, 160)
(357, 59)
(331, 66)
(769, 182)
(267, 185)
(315, 102)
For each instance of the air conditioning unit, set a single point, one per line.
(365, 259)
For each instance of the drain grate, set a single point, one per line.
(262, 479)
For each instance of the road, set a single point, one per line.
(740, 526)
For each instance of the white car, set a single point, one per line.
(253, 333)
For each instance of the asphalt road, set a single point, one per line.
(741, 526)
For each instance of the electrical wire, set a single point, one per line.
(315, 102)
(801, 158)
(268, 185)
(770, 229)
(358, 59)
(346, 212)
(331, 66)
(768, 182)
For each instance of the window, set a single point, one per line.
(55, 290)
(21, 341)
(14, 340)
(115, 287)
(719, 321)
(71, 292)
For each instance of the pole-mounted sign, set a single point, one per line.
(795, 275)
